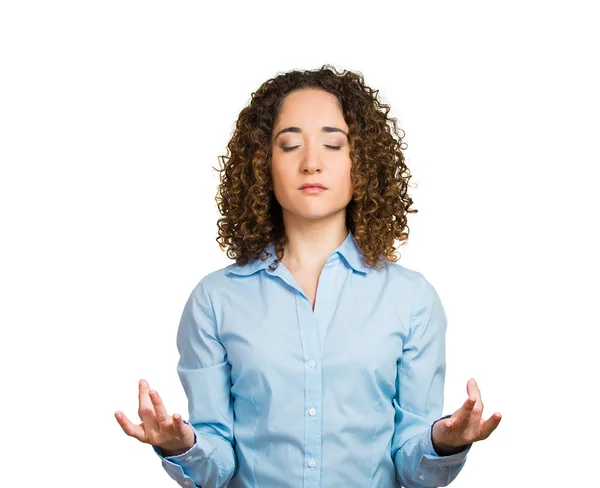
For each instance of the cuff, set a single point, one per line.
(200, 451)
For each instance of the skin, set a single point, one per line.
(466, 425)
(315, 226)
(158, 427)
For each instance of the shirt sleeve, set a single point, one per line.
(420, 396)
(205, 375)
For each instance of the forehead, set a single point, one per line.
(310, 107)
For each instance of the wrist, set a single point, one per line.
(173, 452)
(442, 450)
(175, 448)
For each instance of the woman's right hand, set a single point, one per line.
(158, 428)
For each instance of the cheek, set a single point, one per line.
(282, 181)
(346, 180)
(276, 175)
(281, 178)
(349, 190)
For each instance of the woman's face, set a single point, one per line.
(310, 147)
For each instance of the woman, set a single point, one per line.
(315, 360)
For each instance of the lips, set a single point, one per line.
(313, 185)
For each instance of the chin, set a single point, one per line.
(316, 214)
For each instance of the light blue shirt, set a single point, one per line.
(342, 396)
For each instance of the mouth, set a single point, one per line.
(315, 186)
(312, 189)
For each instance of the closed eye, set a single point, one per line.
(291, 148)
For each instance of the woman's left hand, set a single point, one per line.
(466, 425)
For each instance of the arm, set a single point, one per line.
(419, 399)
(205, 375)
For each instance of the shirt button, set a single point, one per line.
(421, 477)
(312, 412)
(312, 363)
(312, 463)
(189, 458)
(186, 482)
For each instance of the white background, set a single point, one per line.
(112, 115)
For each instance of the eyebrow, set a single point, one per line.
(323, 129)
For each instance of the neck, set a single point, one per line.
(308, 245)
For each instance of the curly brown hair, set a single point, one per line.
(376, 215)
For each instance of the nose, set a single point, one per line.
(311, 159)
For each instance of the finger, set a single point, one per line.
(130, 428)
(463, 414)
(178, 424)
(159, 408)
(473, 390)
(490, 425)
(146, 409)
(449, 422)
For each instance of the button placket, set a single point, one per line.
(308, 323)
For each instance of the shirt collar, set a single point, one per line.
(348, 249)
